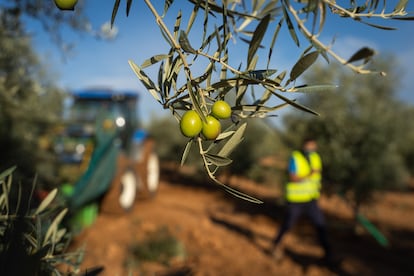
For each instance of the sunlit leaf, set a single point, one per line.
(218, 160)
(192, 18)
(153, 60)
(313, 88)
(177, 25)
(54, 226)
(280, 77)
(225, 135)
(46, 202)
(7, 172)
(167, 4)
(257, 38)
(146, 81)
(234, 140)
(194, 100)
(290, 26)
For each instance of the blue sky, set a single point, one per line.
(105, 63)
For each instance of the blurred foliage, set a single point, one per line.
(160, 246)
(29, 101)
(32, 242)
(179, 85)
(365, 139)
(47, 15)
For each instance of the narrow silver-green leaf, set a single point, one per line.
(295, 104)
(401, 6)
(167, 4)
(218, 160)
(46, 202)
(185, 43)
(257, 38)
(7, 172)
(114, 11)
(153, 60)
(241, 195)
(313, 88)
(272, 44)
(194, 100)
(261, 74)
(177, 25)
(302, 64)
(146, 81)
(234, 140)
(290, 27)
(54, 226)
(192, 18)
(186, 151)
(224, 135)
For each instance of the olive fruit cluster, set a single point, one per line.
(191, 124)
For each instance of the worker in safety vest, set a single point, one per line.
(302, 192)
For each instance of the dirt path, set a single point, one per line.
(225, 236)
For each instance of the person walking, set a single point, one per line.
(302, 193)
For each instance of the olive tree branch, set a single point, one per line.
(356, 15)
(315, 41)
(175, 45)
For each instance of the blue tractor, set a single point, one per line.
(104, 156)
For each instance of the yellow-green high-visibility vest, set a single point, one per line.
(309, 188)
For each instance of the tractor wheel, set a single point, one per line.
(149, 169)
(123, 191)
(152, 180)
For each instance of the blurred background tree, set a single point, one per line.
(30, 101)
(365, 138)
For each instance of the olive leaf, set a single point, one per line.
(185, 43)
(295, 104)
(290, 26)
(46, 202)
(177, 25)
(218, 160)
(313, 88)
(302, 64)
(128, 7)
(186, 151)
(234, 140)
(146, 81)
(401, 6)
(363, 53)
(272, 44)
(114, 11)
(153, 60)
(54, 226)
(257, 38)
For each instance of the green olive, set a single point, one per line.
(211, 128)
(221, 110)
(190, 124)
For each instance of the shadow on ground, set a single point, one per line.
(397, 259)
